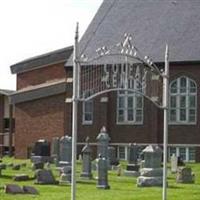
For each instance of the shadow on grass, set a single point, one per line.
(86, 182)
(174, 187)
(6, 177)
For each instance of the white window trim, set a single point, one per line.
(127, 122)
(178, 95)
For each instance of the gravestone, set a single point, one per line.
(65, 177)
(102, 144)
(174, 163)
(41, 151)
(21, 177)
(132, 168)
(112, 158)
(102, 167)
(152, 173)
(30, 190)
(65, 155)
(184, 175)
(44, 176)
(180, 161)
(55, 149)
(86, 163)
(13, 189)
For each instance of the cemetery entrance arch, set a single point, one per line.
(119, 67)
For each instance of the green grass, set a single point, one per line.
(122, 188)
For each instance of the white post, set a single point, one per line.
(165, 135)
(74, 114)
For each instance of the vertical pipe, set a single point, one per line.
(165, 135)
(74, 114)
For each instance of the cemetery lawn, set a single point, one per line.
(122, 188)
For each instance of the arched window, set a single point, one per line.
(183, 101)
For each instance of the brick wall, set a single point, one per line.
(39, 119)
(40, 75)
(1, 121)
(151, 131)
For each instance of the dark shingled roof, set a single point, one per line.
(153, 23)
(42, 60)
(40, 91)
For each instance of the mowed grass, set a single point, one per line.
(122, 188)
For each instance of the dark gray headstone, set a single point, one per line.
(30, 190)
(41, 148)
(102, 165)
(112, 156)
(65, 149)
(21, 177)
(13, 189)
(44, 176)
(185, 175)
(102, 143)
(87, 162)
(133, 153)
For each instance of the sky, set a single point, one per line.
(32, 27)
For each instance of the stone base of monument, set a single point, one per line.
(86, 175)
(150, 177)
(143, 181)
(132, 170)
(151, 172)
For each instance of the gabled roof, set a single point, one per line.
(6, 92)
(152, 23)
(60, 55)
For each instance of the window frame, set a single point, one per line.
(125, 94)
(178, 95)
(91, 102)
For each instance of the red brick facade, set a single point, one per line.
(39, 119)
(40, 75)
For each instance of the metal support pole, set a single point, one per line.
(165, 135)
(74, 114)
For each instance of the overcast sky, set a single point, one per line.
(33, 27)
